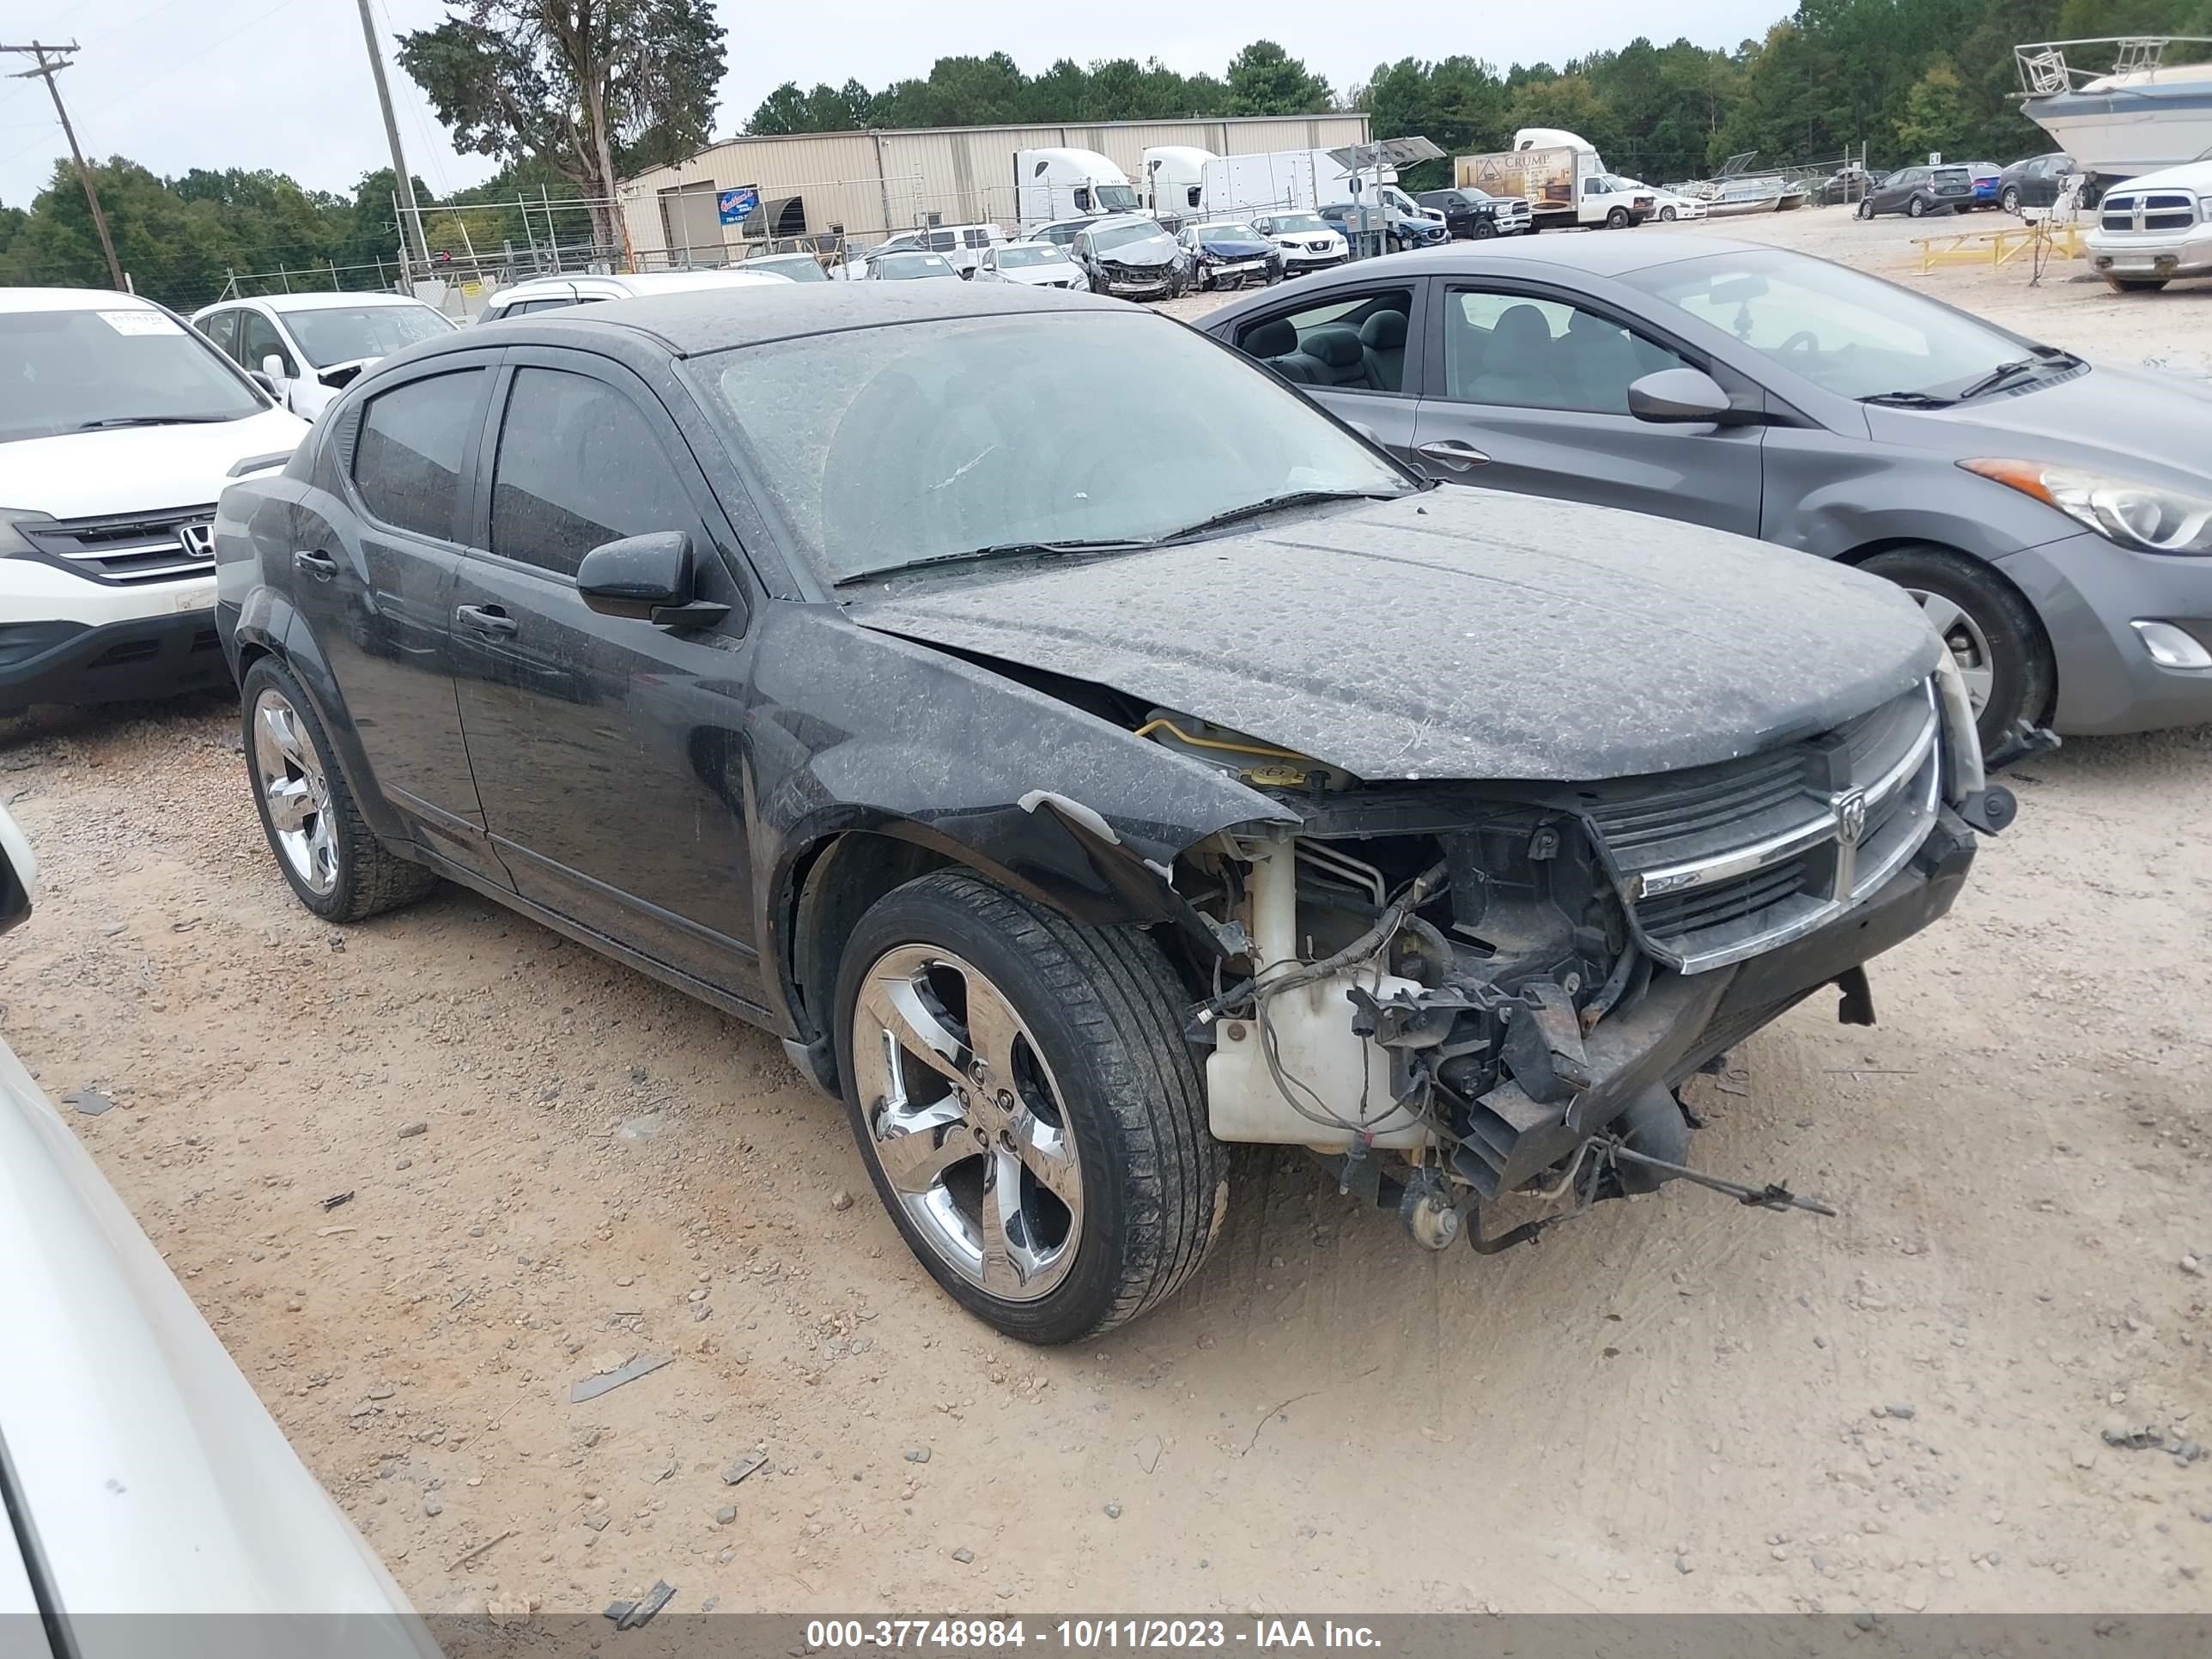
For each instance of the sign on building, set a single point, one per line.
(736, 206)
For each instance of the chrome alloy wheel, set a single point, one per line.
(966, 1122)
(297, 792)
(1969, 645)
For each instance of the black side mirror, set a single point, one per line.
(1678, 397)
(649, 578)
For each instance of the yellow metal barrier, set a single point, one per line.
(1997, 247)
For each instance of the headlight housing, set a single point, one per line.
(2150, 518)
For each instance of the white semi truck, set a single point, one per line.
(1051, 185)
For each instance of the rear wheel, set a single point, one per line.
(1990, 633)
(335, 863)
(2133, 284)
(1028, 1110)
(1916, 207)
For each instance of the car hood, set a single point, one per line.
(1239, 249)
(1042, 275)
(133, 468)
(1152, 251)
(2131, 421)
(1459, 634)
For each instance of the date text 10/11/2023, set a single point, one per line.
(1083, 1635)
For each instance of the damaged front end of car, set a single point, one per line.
(1455, 991)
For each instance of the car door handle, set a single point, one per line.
(486, 619)
(1453, 453)
(321, 566)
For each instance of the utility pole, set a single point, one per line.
(410, 216)
(49, 66)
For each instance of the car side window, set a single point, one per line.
(1353, 341)
(578, 465)
(222, 329)
(1528, 353)
(407, 461)
(257, 338)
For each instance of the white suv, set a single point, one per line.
(334, 335)
(118, 429)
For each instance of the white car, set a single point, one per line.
(558, 293)
(1309, 241)
(1062, 232)
(119, 427)
(1668, 205)
(334, 336)
(141, 1473)
(2154, 228)
(1031, 264)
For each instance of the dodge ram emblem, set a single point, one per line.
(1850, 816)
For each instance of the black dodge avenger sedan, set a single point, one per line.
(1077, 778)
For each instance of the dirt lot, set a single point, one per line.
(1674, 1404)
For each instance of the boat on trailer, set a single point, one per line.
(2117, 104)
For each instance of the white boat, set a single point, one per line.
(1761, 195)
(2141, 114)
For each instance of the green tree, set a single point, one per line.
(1265, 80)
(593, 88)
(1935, 114)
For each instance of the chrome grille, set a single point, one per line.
(130, 548)
(1723, 862)
(2153, 209)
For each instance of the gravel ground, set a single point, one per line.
(557, 1165)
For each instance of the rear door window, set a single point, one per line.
(414, 438)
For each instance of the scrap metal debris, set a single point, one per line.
(337, 1198)
(591, 1387)
(749, 1463)
(632, 1615)
(91, 1103)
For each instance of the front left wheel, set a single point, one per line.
(335, 864)
(1030, 1114)
(1616, 220)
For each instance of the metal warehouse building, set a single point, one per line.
(867, 184)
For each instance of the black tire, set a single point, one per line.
(2021, 676)
(1484, 230)
(2011, 200)
(2134, 284)
(1665, 216)
(370, 878)
(1914, 207)
(1101, 1005)
(1866, 207)
(1616, 220)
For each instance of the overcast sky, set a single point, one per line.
(175, 84)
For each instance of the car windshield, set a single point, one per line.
(799, 267)
(1847, 332)
(878, 447)
(1017, 258)
(345, 334)
(906, 267)
(80, 369)
(1228, 233)
(1115, 236)
(1299, 224)
(1114, 198)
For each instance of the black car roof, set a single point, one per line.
(715, 319)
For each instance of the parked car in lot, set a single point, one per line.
(120, 427)
(2055, 517)
(141, 1474)
(1985, 176)
(817, 659)
(797, 267)
(1031, 265)
(1062, 231)
(1915, 192)
(1476, 216)
(2034, 182)
(906, 266)
(1669, 206)
(2154, 228)
(1401, 232)
(1308, 241)
(1132, 256)
(1845, 185)
(1230, 253)
(541, 294)
(309, 345)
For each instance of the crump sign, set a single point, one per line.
(736, 206)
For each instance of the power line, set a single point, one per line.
(48, 67)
